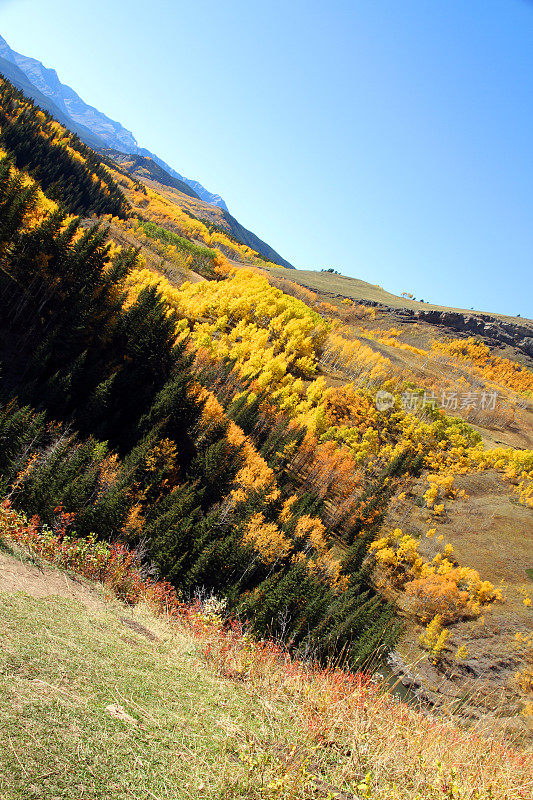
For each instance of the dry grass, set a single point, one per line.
(327, 283)
(492, 534)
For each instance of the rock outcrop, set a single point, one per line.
(495, 331)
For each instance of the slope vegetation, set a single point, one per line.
(147, 171)
(145, 701)
(334, 476)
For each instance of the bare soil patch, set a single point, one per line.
(18, 574)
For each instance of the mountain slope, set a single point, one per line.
(196, 186)
(301, 469)
(109, 133)
(19, 79)
(149, 172)
(249, 238)
(122, 700)
(146, 167)
(104, 134)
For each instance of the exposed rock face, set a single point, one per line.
(494, 331)
(527, 345)
(473, 690)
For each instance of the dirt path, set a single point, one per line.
(20, 575)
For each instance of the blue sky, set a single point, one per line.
(389, 139)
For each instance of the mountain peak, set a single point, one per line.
(91, 125)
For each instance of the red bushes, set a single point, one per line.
(113, 565)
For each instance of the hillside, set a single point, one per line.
(147, 171)
(97, 130)
(335, 285)
(347, 475)
(19, 79)
(101, 697)
(143, 167)
(100, 132)
(42, 82)
(110, 138)
(397, 342)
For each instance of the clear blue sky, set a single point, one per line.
(389, 139)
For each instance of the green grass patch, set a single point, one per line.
(202, 258)
(193, 730)
(61, 666)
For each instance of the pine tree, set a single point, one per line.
(172, 529)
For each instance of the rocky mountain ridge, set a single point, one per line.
(494, 329)
(495, 332)
(42, 84)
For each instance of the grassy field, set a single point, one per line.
(63, 666)
(99, 700)
(355, 289)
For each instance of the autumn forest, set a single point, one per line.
(165, 386)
